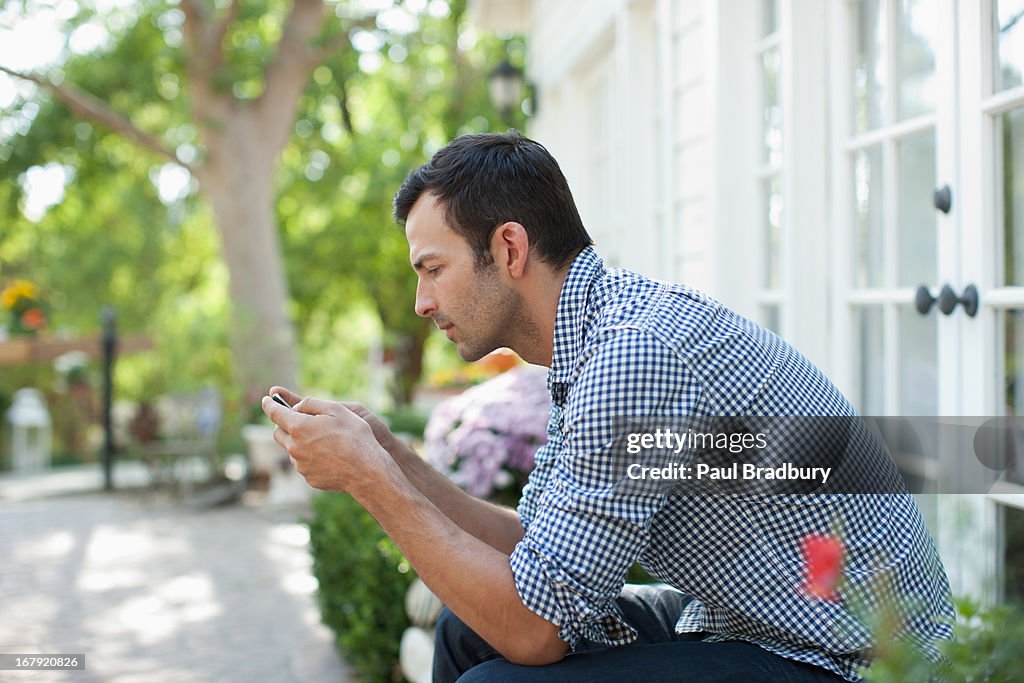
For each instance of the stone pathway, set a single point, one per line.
(153, 591)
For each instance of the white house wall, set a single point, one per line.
(691, 138)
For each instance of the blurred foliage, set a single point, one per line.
(986, 646)
(417, 79)
(363, 579)
(406, 420)
(638, 574)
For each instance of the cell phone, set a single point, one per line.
(279, 399)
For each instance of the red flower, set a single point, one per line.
(823, 563)
(33, 319)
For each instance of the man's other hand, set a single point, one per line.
(332, 447)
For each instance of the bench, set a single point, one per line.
(176, 438)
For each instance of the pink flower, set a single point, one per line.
(485, 438)
(823, 564)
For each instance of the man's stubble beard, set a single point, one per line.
(512, 326)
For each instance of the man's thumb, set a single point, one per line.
(316, 406)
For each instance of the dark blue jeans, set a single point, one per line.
(658, 654)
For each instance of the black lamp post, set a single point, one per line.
(506, 88)
(109, 346)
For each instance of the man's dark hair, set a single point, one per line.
(485, 180)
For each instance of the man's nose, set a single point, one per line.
(426, 305)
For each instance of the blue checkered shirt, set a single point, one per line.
(628, 346)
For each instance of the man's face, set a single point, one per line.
(472, 306)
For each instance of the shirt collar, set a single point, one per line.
(570, 318)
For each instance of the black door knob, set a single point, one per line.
(943, 199)
(923, 300)
(948, 300)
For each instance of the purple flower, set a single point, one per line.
(485, 438)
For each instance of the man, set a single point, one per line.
(537, 593)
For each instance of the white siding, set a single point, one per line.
(600, 114)
(691, 142)
(597, 197)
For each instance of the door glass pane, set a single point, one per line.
(869, 76)
(770, 16)
(918, 36)
(1010, 179)
(1012, 332)
(1013, 362)
(919, 362)
(1009, 30)
(870, 338)
(869, 236)
(918, 221)
(772, 192)
(771, 64)
(771, 318)
(1013, 554)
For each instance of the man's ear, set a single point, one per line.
(510, 246)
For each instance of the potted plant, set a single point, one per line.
(26, 308)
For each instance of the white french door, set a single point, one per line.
(895, 121)
(991, 34)
(928, 182)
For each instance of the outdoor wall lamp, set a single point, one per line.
(506, 87)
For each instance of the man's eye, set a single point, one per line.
(433, 271)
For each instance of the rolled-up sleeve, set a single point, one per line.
(586, 528)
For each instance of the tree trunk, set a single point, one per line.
(243, 140)
(237, 179)
(408, 348)
(408, 366)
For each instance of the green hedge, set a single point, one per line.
(406, 420)
(363, 580)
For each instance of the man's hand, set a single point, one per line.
(381, 432)
(332, 447)
(380, 429)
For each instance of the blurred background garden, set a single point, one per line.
(124, 187)
(207, 186)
